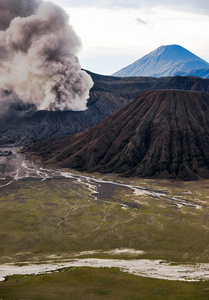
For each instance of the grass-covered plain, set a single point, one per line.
(57, 218)
(103, 283)
(62, 217)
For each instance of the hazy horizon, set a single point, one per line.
(116, 33)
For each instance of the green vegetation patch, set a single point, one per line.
(102, 283)
(62, 217)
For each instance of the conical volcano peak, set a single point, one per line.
(161, 134)
(164, 61)
(173, 52)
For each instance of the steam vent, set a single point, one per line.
(160, 134)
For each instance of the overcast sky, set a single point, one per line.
(115, 33)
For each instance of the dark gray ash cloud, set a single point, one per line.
(9, 9)
(38, 56)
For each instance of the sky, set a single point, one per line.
(115, 33)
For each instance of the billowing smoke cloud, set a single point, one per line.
(38, 61)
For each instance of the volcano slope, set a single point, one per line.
(160, 134)
(22, 124)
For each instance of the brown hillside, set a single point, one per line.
(159, 134)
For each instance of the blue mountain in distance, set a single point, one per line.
(165, 61)
(203, 73)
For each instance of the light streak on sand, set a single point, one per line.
(22, 168)
(141, 267)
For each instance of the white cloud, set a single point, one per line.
(113, 38)
(116, 32)
(200, 6)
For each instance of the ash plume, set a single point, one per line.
(38, 56)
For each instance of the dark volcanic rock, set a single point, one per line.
(161, 134)
(186, 84)
(22, 124)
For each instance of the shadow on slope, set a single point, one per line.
(162, 134)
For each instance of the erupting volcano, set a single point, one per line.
(38, 57)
